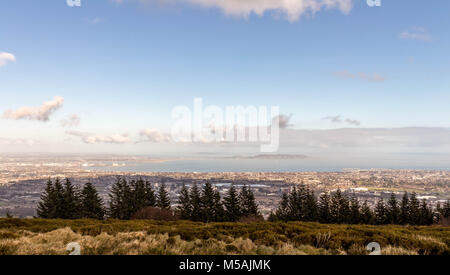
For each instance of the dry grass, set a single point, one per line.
(50, 237)
(138, 243)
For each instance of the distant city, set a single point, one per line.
(23, 177)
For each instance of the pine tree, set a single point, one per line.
(367, 216)
(324, 208)
(404, 210)
(46, 206)
(163, 200)
(120, 200)
(446, 209)
(184, 203)
(414, 209)
(196, 203)
(58, 192)
(355, 214)
(425, 214)
(138, 194)
(150, 195)
(249, 208)
(381, 214)
(207, 203)
(71, 201)
(340, 209)
(91, 203)
(294, 206)
(393, 211)
(310, 209)
(438, 213)
(232, 206)
(219, 212)
(283, 211)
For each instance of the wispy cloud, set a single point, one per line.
(154, 135)
(292, 10)
(418, 33)
(6, 58)
(340, 119)
(41, 113)
(94, 21)
(17, 141)
(94, 139)
(71, 121)
(363, 76)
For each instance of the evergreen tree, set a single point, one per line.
(46, 206)
(355, 214)
(249, 208)
(367, 216)
(163, 200)
(138, 195)
(426, 215)
(310, 209)
(446, 209)
(150, 195)
(119, 203)
(71, 201)
(404, 210)
(414, 209)
(283, 211)
(196, 203)
(232, 206)
(219, 212)
(58, 192)
(324, 208)
(208, 203)
(381, 214)
(184, 204)
(393, 211)
(438, 213)
(340, 209)
(294, 206)
(91, 203)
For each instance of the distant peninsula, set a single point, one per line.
(272, 156)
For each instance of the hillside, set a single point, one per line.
(37, 236)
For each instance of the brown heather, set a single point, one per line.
(37, 236)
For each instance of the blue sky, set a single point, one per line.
(121, 66)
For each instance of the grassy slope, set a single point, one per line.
(35, 236)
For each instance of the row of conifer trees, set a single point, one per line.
(66, 201)
(300, 204)
(128, 199)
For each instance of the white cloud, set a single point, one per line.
(334, 119)
(71, 121)
(292, 10)
(339, 119)
(418, 33)
(373, 78)
(94, 139)
(154, 135)
(6, 58)
(17, 141)
(41, 113)
(353, 122)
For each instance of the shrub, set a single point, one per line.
(154, 213)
